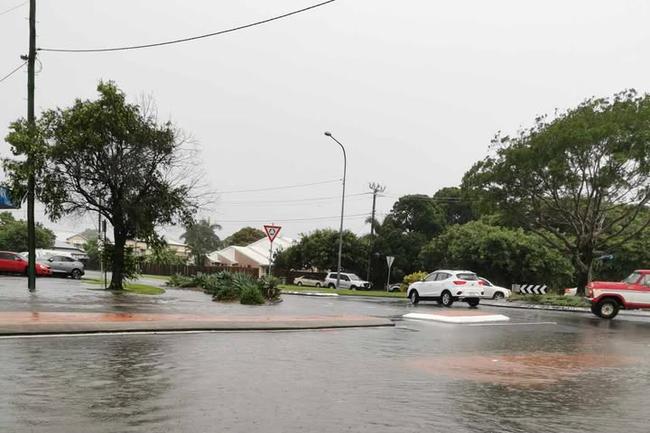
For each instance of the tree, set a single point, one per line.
(202, 239)
(504, 255)
(13, 234)
(111, 157)
(319, 250)
(580, 181)
(418, 213)
(244, 236)
(163, 255)
(455, 204)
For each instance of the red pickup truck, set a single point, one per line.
(607, 298)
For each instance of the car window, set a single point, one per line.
(354, 277)
(467, 276)
(486, 282)
(646, 280)
(443, 276)
(66, 259)
(633, 278)
(431, 277)
(6, 256)
(345, 278)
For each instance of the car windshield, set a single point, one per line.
(633, 278)
(467, 276)
(353, 277)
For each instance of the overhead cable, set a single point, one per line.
(187, 39)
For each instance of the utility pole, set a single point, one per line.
(375, 188)
(31, 231)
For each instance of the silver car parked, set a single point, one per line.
(64, 265)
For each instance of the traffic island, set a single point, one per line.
(44, 323)
(458, 316)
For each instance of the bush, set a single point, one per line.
(412, 278)
(268, 287)
(251, 295)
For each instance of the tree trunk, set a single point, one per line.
(118, 261)
(584, 261)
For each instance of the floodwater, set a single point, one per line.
(542, 372)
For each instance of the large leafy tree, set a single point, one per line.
(244, 236)
(107, 156)
(504, 255)
(580, 180)
(319, 250)
(202, 239)
(13, 234)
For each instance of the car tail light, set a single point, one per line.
(459, 282)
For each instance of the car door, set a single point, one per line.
(345, 282)
(16, 263)
(488, 288)
(58, 264)
(640, 293)
(441, 283)
(426, 287)
(6, 262)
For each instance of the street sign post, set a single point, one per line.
(389, 262)
(271, 231)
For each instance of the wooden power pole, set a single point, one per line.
(31, 231)
(375, 188)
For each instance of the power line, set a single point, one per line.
(12, 72)
(273, 188)
(6, 11)
(191, 38)
(294, 219)
(310, 199)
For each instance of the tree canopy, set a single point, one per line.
(107, 156)
(202, 239)
(13, 234)
(580, 180)
(244, 236)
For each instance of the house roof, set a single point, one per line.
(258, 251)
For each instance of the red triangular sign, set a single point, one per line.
(272, 231)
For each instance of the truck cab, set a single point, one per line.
(607, 297)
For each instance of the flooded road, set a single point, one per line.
(542, 372)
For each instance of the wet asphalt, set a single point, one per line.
(541, 372)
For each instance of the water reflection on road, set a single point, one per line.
(571, 374)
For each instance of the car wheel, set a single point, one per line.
(353, 287)
(607, 308)
(331, 286)
(473, 302)
(75, 274)
(299, 283)
(414, 297)
(446, 300)
(317, 284)
(498, 295)
(595, 309)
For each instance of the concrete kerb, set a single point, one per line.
(525, 306)
(330, 295)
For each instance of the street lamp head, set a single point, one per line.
(329, 134)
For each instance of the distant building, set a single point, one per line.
(78, 241)
(255, 255)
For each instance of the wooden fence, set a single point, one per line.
(148, 268)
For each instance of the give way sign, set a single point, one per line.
(272, 231)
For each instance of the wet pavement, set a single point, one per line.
(540, 372)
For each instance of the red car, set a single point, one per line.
(16, 264)
(607, 298)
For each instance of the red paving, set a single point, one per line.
(26, 317)
(537, 368)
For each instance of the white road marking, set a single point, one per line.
(514, 324)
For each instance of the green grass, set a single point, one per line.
(344, 292)
(137, 288)
(557, 300)
(156, 277)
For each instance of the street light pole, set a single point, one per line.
(345, 163)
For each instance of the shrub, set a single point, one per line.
(412, 278)
(251, 295)
(268, 287)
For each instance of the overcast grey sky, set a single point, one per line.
(414, 89)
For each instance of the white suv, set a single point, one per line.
(446, 287)
(348, 281)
